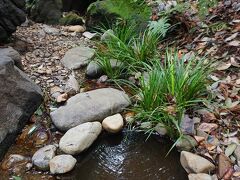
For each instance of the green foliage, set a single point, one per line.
(204, 5)
(133, 10)
(132, 49)
(170, 89)
(71, 19)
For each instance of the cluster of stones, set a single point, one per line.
(80, 118)
(83, 117)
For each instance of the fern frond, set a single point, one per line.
(159, 27)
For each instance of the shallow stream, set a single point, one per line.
(128, 156)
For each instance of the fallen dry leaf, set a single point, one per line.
(223, 66)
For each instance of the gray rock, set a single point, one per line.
(42, 157)
(107, 35)
(62, 164)
(50, 30)
(11, 16)
(13, 54)
(80, 138)
(193, 163)
(77, 57)
(20, 97)
(89, 106)
(113, 124)
(186, 143)
(94, 70)
(200, 176)
(146, 125)
(160, 129)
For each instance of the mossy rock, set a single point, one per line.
(71, 19)
(109, 10)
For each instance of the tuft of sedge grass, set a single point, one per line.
(134, 51)
(172, 87)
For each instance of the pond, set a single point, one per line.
(129, 155)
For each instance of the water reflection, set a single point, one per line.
(128, 156)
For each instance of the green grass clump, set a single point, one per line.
(132, 10)
(171, 88)
(133, 49)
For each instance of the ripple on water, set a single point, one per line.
(128, 156)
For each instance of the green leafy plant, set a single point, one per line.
(204, 5)
(133, 50)
(172, 87)
(132, 10)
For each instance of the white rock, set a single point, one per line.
(80, 138)
(113, 124)
(42, 157)
(89, 35)
(200, 176)
(193, 163)
(62, 164)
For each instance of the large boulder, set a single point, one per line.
(11, 16)
(45, 11)
(80, 138)
(20, 97)
(89, 106)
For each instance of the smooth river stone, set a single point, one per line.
(90, 106)
(80, 138)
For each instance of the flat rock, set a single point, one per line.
(20, 98)
(62, 164)
(51, 30)
(80, 138)
(42, 157)
(89, 35)
(77, 57)
(113, 124)
(200, 176)
(193, 163)
(89, 106)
